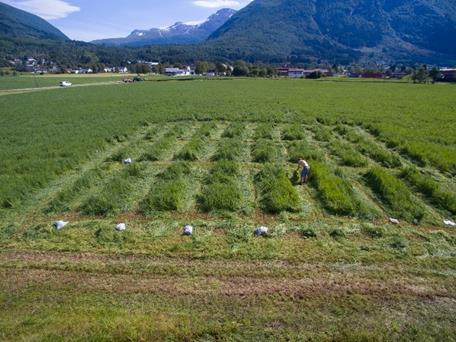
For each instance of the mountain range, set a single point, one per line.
(268, 31)
(179, 33)
(342, 30)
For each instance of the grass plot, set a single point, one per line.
(277, 194)
(395, 194)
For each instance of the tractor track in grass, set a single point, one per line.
(21, 270)
(142, 263)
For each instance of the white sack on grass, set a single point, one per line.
(394, 221)
(59, 224)
(449, 223)
(260, 231)
(121, 227)
(188, 230)
(127, 161)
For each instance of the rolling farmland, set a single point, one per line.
(221, 155)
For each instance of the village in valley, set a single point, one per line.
(207, 69)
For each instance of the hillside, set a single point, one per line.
(179, 33)
(17, 23)
(342, 31)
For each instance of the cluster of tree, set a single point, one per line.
(7, 72)
(424, 75)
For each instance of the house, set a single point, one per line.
(177, 71)
(298, 72)
(153, 63)
(448, 75)
(366, 74)
(122, 70)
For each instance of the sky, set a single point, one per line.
(94, 19)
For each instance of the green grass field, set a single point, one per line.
(221, 155)
(40, 81)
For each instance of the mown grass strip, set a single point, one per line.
(336, 193)
(234, 130)
(157, 150)
(264, 131)
(265, 151)
(222, 190)
(115, 195)
(395, 194)
(441, 197)
(322, 133)
(347, 154)
(170, 193)
(277, 194)
(379, 154)
(374, 151)
(303, 150)
(229, 149)
(193, 150)
(61, 202)
(293, 132)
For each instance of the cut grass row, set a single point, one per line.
(293, 132)
(276, 192)
(229, 149)
(62, 200)
(115, 195)
(395, 194)
(302, 149)
(194, 149)
(348, 156)
(265, 151)
(234, 130)
(438, 195)
(337, 194)
(170, 192)
(222, 190)
(163, 145)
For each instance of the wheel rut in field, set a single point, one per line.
(164, 276)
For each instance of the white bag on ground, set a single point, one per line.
(59, 224)
(394, 221)
(449, 223)
(128, 161)
(188, 230)
(260, 231)
(121, 227)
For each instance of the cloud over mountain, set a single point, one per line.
(46, 9)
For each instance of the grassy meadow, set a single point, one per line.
(221, 155)
(40, 81)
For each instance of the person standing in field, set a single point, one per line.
(305, 170)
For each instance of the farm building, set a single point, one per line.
(177, 71)
(448, 75)
(297, 72)
(366, 74)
